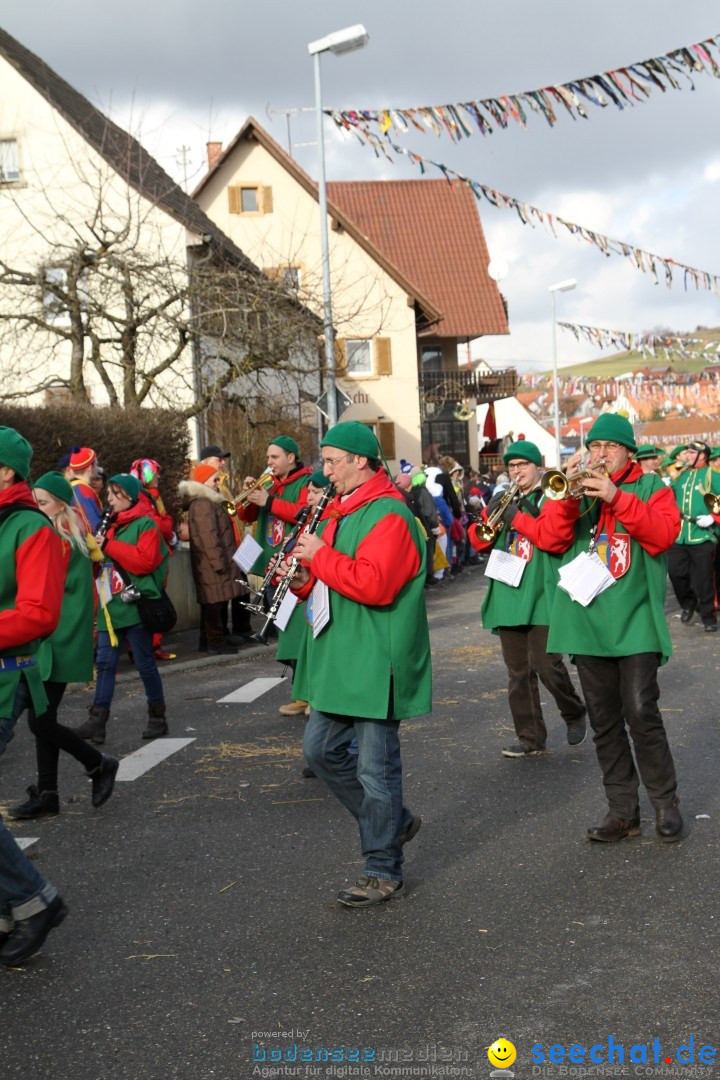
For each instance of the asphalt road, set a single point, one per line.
(202, 897)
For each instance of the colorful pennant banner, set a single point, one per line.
(622, 87)
(645, 261)
(652, 345)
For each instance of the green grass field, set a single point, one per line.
(608, 367)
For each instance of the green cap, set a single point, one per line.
(129, 484)
(525, 450)
(286, 443)
(15, 451)
(715, 453)
(647, 450)
(55, 484)
(612, 427)
(319, 479)
(355, 438)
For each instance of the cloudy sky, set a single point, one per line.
(180, 73)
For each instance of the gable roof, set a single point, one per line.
(119, 149)
(251, 131)
(432, 231)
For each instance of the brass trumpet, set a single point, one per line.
(556, 485)
(489, 529)
(263, 481)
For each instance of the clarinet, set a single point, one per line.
(288, 545)
(284, 586)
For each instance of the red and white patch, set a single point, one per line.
(116, 583)
(619, 554)
(275, 532)
(520, 546)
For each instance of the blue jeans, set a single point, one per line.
(369, 784)
(22, 891)
(107, 661)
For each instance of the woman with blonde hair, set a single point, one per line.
(66, 656)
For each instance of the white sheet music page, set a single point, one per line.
(247, 553)
(505, 567)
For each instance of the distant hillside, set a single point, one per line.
(608, 367)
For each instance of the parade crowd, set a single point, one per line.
(342, 557)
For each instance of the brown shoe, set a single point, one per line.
(615, 828)
(668, 823)
(294, 708)
(368, 891)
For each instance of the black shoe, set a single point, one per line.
(710, 626)
(94, 727)
(614, 828)
(238, 640)
(308, 773)
(687, 614)
(40, 804)
(103, 780)
(411, 831)
(27, 935)
(518, 750)
(577, 732)
(668, 823)
(223, 650)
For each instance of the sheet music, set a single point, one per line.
(320, 607)
(505, 567)
(247, 554)
(585, 578)
(285, 610)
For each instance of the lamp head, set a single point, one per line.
(563, 286)
(341, 41)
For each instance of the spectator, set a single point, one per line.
(83, 463)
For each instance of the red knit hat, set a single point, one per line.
(81, 458)
(202, 473)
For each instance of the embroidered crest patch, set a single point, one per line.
(615, 552)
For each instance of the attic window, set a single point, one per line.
(249, 200)
(9, 161)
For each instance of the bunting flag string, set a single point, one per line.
(622, 87)
(649, 345)
(645, 261)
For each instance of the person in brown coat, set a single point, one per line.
(212, 544)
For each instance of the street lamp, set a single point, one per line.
(341, 41)
(561, 286)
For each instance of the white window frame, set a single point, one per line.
(353, 346)
(9, 161)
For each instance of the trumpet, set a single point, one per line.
(556, 485)
(490, 528)
(264, 481)
(284, 586)
(712, 502)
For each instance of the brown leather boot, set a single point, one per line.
(157, 725)
(94, 727)
(615, 828)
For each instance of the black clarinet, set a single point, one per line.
(105, 522)
(288, 545)
(284, 586)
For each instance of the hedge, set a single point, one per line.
(118, 436)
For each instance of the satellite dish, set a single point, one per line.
(498, 269)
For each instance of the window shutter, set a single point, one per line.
(234, 200)
(340, 357)
(266, 200)
(383, 356)
(274, 273)
(386, 438)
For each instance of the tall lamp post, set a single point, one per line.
(561, 286)
(342, 41)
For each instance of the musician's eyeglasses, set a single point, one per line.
(603, 446)
(332, 461)
(518, 465)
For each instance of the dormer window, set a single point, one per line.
(251, 199)
(9, 161)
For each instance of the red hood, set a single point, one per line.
(139, 510)
(379, 485)
(279, 485)
(634, 474)
(18, 493)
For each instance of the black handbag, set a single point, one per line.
(157, 614)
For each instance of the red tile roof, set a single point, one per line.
(432, 232)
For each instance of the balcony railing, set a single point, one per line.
(441, 388)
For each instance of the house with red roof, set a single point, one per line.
(408, 265)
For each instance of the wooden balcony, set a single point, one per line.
(441, 388)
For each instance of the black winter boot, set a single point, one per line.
(94, 727)
(103, 780)
(39, 804)
(156, 725)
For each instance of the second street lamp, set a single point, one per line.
(561, 286)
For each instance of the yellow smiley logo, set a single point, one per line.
(501, 1054)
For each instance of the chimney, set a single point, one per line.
(214, 150)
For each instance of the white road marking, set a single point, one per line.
(25, 841)
(250, 691)
(140, 761)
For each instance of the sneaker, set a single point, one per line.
(411, 831)
(294, 708)
(368, 891)
(39, 804)
(518, 750)
(577, 732)
(710, 626)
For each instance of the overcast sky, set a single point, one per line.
(180, 73)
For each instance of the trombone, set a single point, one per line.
(489, 529)
(556, 485)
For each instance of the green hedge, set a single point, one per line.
(118, 437)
